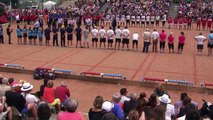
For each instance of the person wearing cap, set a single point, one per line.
(63, 93)
(155, 37)
(210, 42)
(170, 109)
(70, 113)
(162, 40)
(200, 41)
(63, 31)
(107, 107)
(171, 43)
(94, 37)
(117, 109)
(147, 39)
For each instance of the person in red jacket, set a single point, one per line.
(204, 21)
(198, 23)
(209, 24)
(170, 22)
(180, 23)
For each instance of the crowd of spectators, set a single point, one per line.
(122, 106)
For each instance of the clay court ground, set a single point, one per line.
(133, 64)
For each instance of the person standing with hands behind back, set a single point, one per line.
(200, 41)
(147, 39)
(9, 31)
(181, 43)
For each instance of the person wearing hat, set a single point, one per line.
(62, 31)
(170, 109)
(107, 107)
(26, 89)
(171, 42)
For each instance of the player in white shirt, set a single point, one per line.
(110, 35)
(125, 38)
(200, 41)
(102, 34)
(152, 20)
(133, 20)
(147, 20)
(108, 19)
(135, 38)
(138, 18)
(118, 35)
(155, 37)
(94, 37)
(143, 17)
(164, 20)
(123, 19)
(128, 20)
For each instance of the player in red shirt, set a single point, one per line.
(170, 22)
(209, 24)
(175, 22)
(198, 23)
(189, 23)
(180, 23)
(204, 21)
(185, 21)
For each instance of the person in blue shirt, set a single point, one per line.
(1, 35)
(117, 110)
(55, 36)
(30, 35)
(25, 34)
(63, 31)
(19, 34)
(47, 32)
(40, 35)
(210, 42)
(34, 35)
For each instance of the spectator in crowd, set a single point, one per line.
(44, 112)
(4, 110)
(123, 92)
(42, 87)
(200, 41)
(160, 90)
(152, 101)
(63, 93)
(130, 105)
(181, 43)
(147, 40)
(149, 114)
(117, 110)
(133, 115)
(70, 112)
(107, 107)
(210, 42)
(188, 110)
(49, 96)
(96, 113)
(160, 112)
(170, 109)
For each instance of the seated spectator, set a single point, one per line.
(5, 111)
(63, 93)
(107, 107)
(124, 97)
(42, 87)
(188, 109)
(133, 115)
(70, 113)
(140, 107)
(96, 113)
(160, 112)
(149, 114)
(10, 81)
(170, 109)
(44, 112)
(142, 96)
(130, 105)
(160, 90)
(15, 99)
(26, 89)
(49, 96)
(117, 110)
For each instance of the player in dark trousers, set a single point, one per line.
(1, 35)
(47, 32)
(63, 31)
(69, 31)
(19, 34)
(78, 32)
(9, 31)
(34, 35)
(55, 36)
(30, 35)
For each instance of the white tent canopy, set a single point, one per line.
(49, 4)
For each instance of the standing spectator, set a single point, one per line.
(210, 42)
(1, 35)
(47, 36)
(86, 37)
(49, 96)
(181, 43)
(117, 110)
(94, 37)
(40, 36)
(200, 41)
(110, 35)
(19, 34)
(130, 105)
(30, 35)
(70, 112)
(25, 34)
(162, 40)
(9, 31)
(69, 31)
(171, 43)
(147, 39)
(155, 37)
(63, 93)
(118, 34)
(123, 92)
(102, 33)
(170, 109)
(34, 31)
(63, 31)
(96, 113)
(55, 36)
(125, 34)
(135, 37)
(78, 32)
